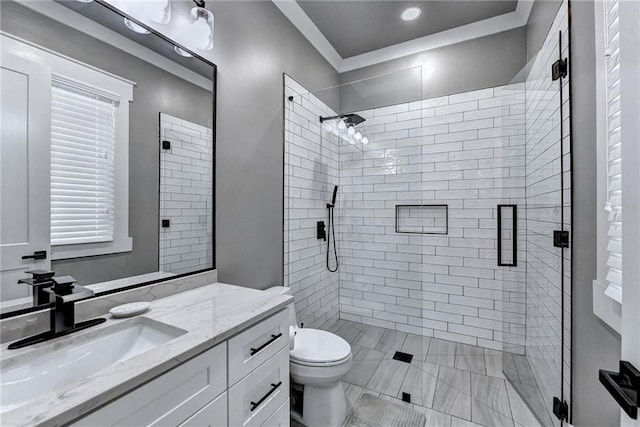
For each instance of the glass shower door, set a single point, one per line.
(537, 362)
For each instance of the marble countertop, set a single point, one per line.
(210, 314)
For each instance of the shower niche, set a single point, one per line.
(422, 219)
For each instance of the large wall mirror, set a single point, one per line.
(107, 159)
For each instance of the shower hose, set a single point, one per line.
(332, 228)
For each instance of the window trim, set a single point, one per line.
(66, 68)
(606, 299)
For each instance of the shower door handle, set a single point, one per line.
(514, 236)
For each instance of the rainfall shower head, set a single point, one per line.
(353, 119)
(349, 119)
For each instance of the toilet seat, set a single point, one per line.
(314, 347)
(321, 364)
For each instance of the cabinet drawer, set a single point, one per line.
(169, 399)
(282, 417)
(254, 399)
(253, 347)
(212, 415)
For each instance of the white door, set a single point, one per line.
(25, 88)
(630, 132)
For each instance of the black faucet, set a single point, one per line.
(65, 293)
(40, 280)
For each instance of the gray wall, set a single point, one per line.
(254, 45)
(156, 91)
(595, 346)
(542, 14)
(475, 64)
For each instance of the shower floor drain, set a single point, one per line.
(403, 357)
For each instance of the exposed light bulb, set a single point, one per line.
(135, 27)
(182, 52)
(201, 29)
(365, 140)
(358, 136)
(157, 10)
(351, 130)
(342, 125)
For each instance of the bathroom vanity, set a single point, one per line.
(217, 355)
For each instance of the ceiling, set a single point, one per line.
(352, 34)
(357, 26)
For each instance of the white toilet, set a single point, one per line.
(319, 362)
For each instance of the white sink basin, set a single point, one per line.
(75, 357)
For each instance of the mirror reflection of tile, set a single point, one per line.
(186, 195)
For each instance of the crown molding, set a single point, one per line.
(305, 25)
(486, 27)
(523, 10)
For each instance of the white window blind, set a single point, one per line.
(614, 145)
(82, 164)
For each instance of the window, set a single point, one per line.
(613, 148)
(82, 164)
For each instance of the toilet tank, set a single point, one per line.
(285, 290)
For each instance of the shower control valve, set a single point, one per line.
(321, 232)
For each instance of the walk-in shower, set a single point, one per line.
(445, 228)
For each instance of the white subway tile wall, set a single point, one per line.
(186, 196)
(311, 171)
(465, 151)
(544, 167)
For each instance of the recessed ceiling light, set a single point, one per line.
(411, 13)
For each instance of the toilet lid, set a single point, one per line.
(314, 345)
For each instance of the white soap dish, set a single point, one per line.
(131, 309)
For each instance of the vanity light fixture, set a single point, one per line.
(351, 131)
(202, 26)
(342, 125)
(182, 52)
(358, 136)
(135, 27)
(411, 13)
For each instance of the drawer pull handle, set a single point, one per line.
(273, 338)
(274, 387)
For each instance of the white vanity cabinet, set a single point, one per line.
(243, 381)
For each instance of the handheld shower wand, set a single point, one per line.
(332, 230)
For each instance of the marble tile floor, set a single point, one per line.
(454, 385)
